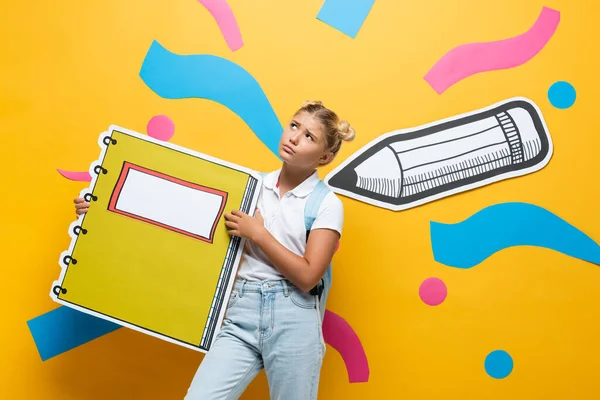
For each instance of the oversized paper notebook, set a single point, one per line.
(153, 253)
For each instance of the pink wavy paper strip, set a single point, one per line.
(472, 58)
(340, 335)
(83, 176)
(226, 21)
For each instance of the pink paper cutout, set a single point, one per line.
(433, 291)
(160, 127)
(472, 58)
(226, 21)
(83, 176)
(340, 335)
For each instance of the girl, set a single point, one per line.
(272, 319)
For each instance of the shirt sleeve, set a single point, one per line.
(331, 214)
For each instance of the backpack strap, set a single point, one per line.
(311, 210)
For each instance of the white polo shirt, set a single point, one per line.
(284, 219)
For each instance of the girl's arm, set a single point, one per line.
(304, 272)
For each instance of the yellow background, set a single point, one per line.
(161, 288)
(70, 69)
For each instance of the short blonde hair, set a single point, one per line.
(336, 130)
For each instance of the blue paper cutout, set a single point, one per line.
(65, 328)
(562, 94)
(498, 364)
(347, 16)
(467, 243)
(174, 76)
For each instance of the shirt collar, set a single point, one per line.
(302, 190)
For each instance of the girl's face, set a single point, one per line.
(303, 143)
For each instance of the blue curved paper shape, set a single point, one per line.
(64, 328)
(467, 243)
(174, 76)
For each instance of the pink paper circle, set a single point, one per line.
(160, 127)
(433, 291)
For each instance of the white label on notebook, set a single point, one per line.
(171, 203)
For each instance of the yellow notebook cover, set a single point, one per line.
(152, 253)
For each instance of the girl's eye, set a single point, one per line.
(293, 125)
(309, 137)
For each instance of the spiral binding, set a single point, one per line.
(58, 290)
(89, 197)
(108, 140)
(99, 168)
(69, 259)
(78, 229)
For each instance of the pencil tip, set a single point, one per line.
(345, 179)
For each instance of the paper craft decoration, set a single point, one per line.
(467, 243)
(83, 176)
(64, 329)
(338, 333)
(473, 58)
(175, 76)
(498, 364)
(228, 25)
(410, 167)
(153, 253)
(347, 16)
(160, 127)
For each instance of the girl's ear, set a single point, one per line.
(326, 158)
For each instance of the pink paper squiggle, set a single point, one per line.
(340, 335)
(472, 58)
(83, 176)
(226, 21)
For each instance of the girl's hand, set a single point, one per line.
(81, 206)
(243, 225)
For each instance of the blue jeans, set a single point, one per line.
(271, 325)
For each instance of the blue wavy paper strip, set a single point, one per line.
(64, 328)
(174, 76)
(347, 16)
(497, 227)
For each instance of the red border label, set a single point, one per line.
(127, 166)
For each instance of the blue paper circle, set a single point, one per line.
(498, 364)
(562, 94)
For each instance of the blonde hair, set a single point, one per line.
(336, 130)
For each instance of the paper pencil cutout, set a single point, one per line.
(153, 253)
(410, 167)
